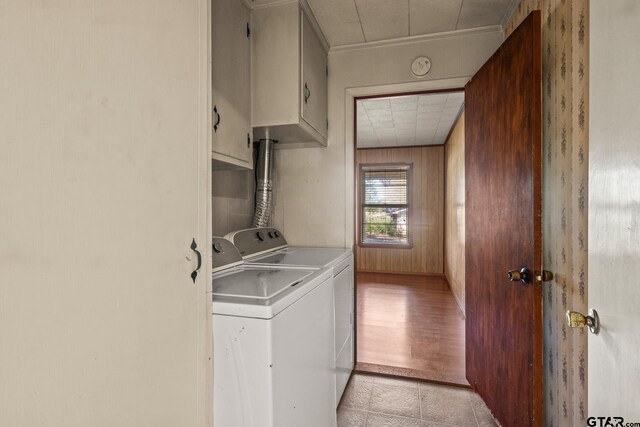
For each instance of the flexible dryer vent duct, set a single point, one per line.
(264, 183)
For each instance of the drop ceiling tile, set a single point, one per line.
(366, 135)
(367, 144)
(376, 104)
(404, 107)
(333, 12)
(427, 123)
(430, 109)
(453, 102)
(480, 13)
(405, 131)
(433, 99)
(404, 113)
(424, 138)
(406, 141)
(405, 120)
(384, 19)
(382, 124)
(400, 100)
(405, 127)
(342, 34)
(383, 134)
(451, 110)
(433, 16)
(377, 115)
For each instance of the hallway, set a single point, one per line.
(409, 326)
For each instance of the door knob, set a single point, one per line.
(523, 275)
(578, 320)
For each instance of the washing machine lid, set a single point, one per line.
(257, 283)
(301, 257)
(262, 292)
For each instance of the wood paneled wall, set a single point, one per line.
(426, 255)
(454, 210)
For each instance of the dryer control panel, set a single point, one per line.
(225, 254)
(255, 241)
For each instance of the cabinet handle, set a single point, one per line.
(307, 93)
(194, 273)
(217, 117)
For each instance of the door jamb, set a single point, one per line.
(351, 95)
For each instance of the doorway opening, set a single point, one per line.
(409, 293)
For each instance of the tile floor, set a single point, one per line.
(376, 401)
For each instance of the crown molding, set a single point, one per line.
(419, 38)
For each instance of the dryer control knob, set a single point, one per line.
(271, 235)
(260, 235)
(276, 233)
(217, 247)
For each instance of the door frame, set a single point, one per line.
(205, 221)
(379, 91)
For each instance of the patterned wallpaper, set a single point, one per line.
(565, 48)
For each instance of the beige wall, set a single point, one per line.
(454, 255)
(233, 200)
(427, 187)
(314, 200)
(565, 101)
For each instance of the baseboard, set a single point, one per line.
(460, 305)
(404, 273)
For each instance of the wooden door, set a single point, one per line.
(503, 230)
(314, 78)
(614, 210)
(103, 186)
(231, 89)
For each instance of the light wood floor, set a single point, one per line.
(409, 326)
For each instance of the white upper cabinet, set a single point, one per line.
(314, 79)
(289, 77)
(231, 85)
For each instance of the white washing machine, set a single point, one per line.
(272, 344)
(267, 247)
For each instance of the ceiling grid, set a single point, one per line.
(346, 22)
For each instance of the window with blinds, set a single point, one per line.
(385, 201)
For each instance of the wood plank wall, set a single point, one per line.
(427, 254)
(454, 211)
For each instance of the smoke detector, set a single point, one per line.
(420, 66)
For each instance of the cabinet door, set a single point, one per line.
(314, 79)
(104, 185)
(231, 81)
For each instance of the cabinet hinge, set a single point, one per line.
(248, 30)
(327, 70)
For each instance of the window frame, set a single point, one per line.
(384, 167)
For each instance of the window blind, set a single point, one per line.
(385, 205)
